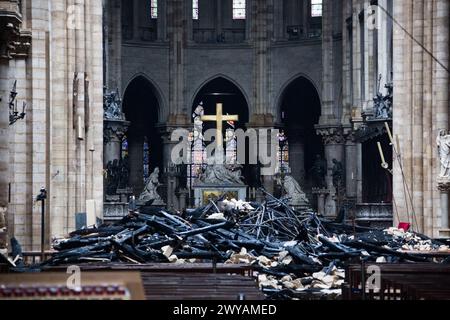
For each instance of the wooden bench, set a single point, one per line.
(199, 286)
(220, 268)
(399, 282)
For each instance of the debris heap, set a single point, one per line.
(294, 253)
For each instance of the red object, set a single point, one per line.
(404, 225)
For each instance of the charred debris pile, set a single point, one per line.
(293, 253)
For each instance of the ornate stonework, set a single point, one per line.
(331, 134)
(14, 43)
(443, 184)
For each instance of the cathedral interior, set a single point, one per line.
(357, 90)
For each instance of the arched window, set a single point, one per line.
(316, 8)
(283, 151)
(154, 9)
(195, 9)
(238, 9)
(124, 152)
(146, 159)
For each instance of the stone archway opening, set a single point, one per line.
(300, 111)
(224, 91)
(142, 143)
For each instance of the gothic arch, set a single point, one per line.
(281, 92)
(155, 89)
(212, 78)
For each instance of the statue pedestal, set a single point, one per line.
(204, 192)
(444, 188)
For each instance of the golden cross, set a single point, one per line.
(219, 118)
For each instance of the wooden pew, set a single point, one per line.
(399, 282)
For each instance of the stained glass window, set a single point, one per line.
(230, 147)
(154, 9)
(238, 9)
(316, 8)
(146, 160)
(124, 152)
(195, 9)
(283, 151)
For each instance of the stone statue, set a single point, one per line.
(124, 173)
(292, 189)
(112, 105)
(319, 172)
(443, 143)
(220, 174)
(150, 192)
(112, 177)
(382, 105)
(116, 175)
(338, 175)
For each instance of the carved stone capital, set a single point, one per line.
(13, 42)
(443, 184)
(114, 130)
(331, 134)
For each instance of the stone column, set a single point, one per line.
(161, 21)
(334, 143)
(218, 18)
(279, 32)
(4, 151)
(113, 44)
(176, 34)
(190, 22)
(297, 154)
(114, 131)
(136, 156)
(10, 21)
(248, 20)
(136, 11)
(351, 166)
(170, 177)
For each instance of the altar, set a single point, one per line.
(205, 192)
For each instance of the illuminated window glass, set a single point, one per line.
(238, 9)
(195, 9)
(316, 8)
(154, 9)
(146, 159)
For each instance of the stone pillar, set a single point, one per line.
(218, 18)
(248, 20)
(113, 46)
(297, 155)
(136, 157)
(170, 173)
(278, 28)
(114, 131)
(176, 34)
(161, 21)
(334, 143)
(351, 166)
(190, 22)
(4, 151)
(136, 11)
(10, 21)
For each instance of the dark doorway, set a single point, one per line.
(143, 141)
(300, 112)
(377, 181)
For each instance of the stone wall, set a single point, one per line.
(59, 144)
(421, 107)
